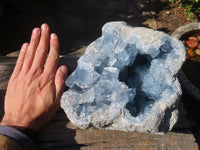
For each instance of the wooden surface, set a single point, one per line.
(60, 134)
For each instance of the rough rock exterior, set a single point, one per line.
(126, 80)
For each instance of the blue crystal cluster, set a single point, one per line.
(126, 80)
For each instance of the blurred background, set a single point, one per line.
(79, 22)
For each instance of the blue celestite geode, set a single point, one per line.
(126, 80)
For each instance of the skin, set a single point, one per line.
(36, 85)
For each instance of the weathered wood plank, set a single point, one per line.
(56, 135)
(135, 141)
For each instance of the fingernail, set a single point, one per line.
(36, 31)
(44, 27)
(64, 69)
(53, 36)
(24, 46)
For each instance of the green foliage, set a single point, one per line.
(191, 7)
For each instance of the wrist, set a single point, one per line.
(8, 122)
(13, 124)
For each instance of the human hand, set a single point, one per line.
(34, 90)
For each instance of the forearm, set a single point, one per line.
(13, 139)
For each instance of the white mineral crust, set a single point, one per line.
(126, 80)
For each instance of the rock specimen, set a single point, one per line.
(126, 80)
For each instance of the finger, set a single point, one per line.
(35, 37)
(60, 78)
(42, 48)
(20, 60)
(52, 60)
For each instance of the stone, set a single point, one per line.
(126, 80)
(168, 12)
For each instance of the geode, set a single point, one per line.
(126, 80)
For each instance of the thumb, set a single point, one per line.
(61, 76)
